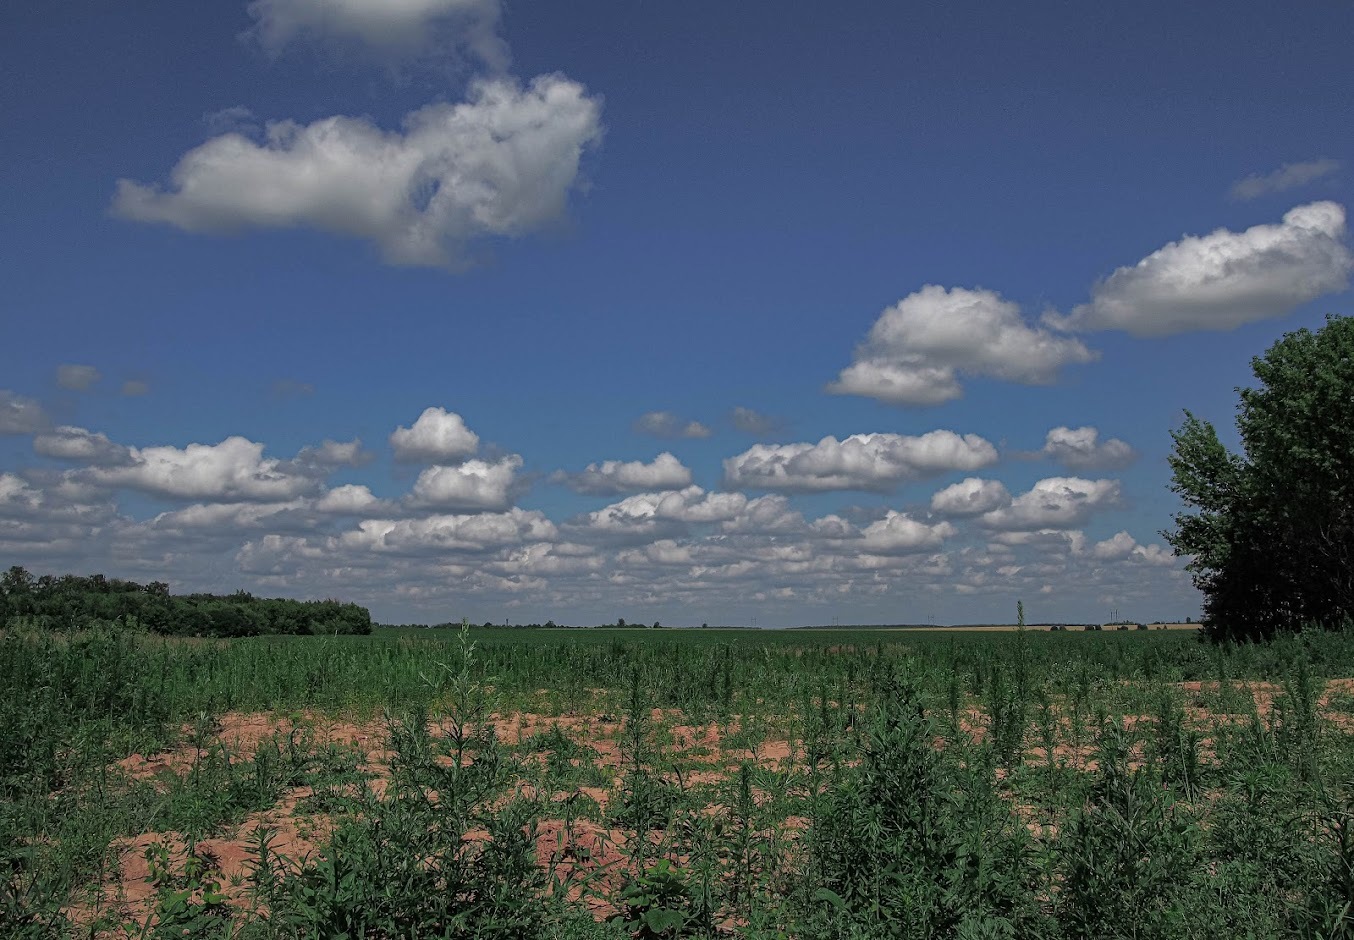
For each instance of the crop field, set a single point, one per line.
(611, 784)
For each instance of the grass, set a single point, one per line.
(587, 784)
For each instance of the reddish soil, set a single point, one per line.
(587, 857)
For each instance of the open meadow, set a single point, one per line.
(628, 783)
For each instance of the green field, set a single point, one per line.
(619, 783)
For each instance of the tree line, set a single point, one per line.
(73, 601)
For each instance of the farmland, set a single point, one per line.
(628, 783)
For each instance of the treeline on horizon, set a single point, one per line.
(71, 602)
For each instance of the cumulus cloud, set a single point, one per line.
(225, 519)
(20, 415)
(666, 472)
(754, 422)
(1082, 449)
(400, 27)
(1055, 503)
(335, 454)
(1123, 547)
(1289, 176)
(972, 496)
(64, 502)
(860, 462)
(650, 512)
(75, 377)
(501, 163)
(918, 348)
(454, 533)
(473, 485)
(1223, 280)
(667, 424)
(71, 443)
(437, 435)
(898, 533)
(234, 470)
(1045, 541)
(351, 499)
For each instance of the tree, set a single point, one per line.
(1271, 537)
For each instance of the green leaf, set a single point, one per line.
(663, 919)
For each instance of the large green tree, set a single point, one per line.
(1271, 531)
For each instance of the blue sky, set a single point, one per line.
(960, 266)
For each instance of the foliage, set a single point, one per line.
(72, 602)
(926, 785)
(1271, 534)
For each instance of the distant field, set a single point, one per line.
(1011, 627)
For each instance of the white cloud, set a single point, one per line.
(667, 424)
(651, 512)
(898, 533)
(20, 415)
(386, 26)
(473, 485)
(1289, 176)
(1045, 541)
(501, 163)
(76, 378)
(970, 497)
(918, 348)
(437, 435)
(70, 443)
(465, 533)
(860, 462)
(65, 502)
(770, 514)
(666, 472)
(1082, 449)
(351, 499)
(1123, 547)
(1055, 503)
(133, 388)
(336, 454)
(750, 421)
(231, 471)
(1223, 280)
(226, 518)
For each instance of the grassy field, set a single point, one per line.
(638, 783)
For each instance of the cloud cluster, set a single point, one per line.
(500, 163)
(665, 424)
(1123, 547)
(609, 477)
(1055, 503)
(20, 415)
(1082, 449)
(918, 349)
(1223, 280)
(335, 454)
(437, 436)
(72, 443)
(871, 462)
(476, 485)
(234, 470)
(971, 496)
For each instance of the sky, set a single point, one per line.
(696, 313)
